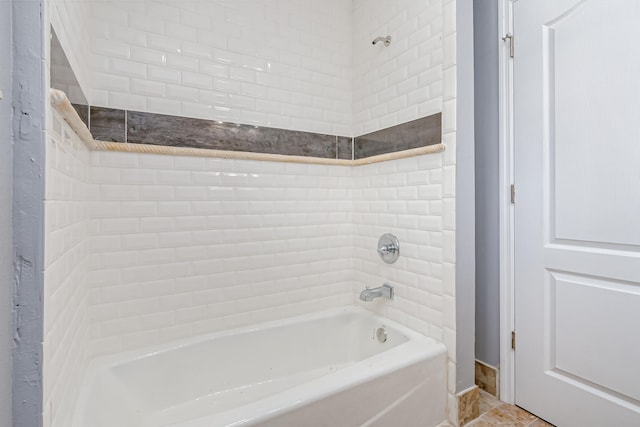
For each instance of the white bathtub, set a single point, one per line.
(322, 369)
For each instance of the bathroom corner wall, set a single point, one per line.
(465, 261)
(403, 197)
(187, 246)
(486, 52)
(412, 198)
(283, 63)
(401, 82)
(71, 21)
(67, 233)
(184, 246)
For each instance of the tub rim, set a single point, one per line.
(417, 348)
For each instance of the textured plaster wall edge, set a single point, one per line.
(29, 100)
(6, 229)
(60, 102)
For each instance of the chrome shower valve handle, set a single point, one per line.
(389, 248)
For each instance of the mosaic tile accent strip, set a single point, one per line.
(413, 134)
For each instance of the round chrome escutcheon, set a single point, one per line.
(381, 334)
(388, 248)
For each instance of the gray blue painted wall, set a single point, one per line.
(6, 158)
(465, 198)
(486, 171)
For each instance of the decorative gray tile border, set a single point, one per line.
(112, 125)
(417, 133)
(62, 106)
(158, 129)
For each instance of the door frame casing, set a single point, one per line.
(506, 218)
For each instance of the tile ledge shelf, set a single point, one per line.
(60, 102)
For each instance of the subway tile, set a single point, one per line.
(147, 88)
(196, 80)
(128, 68)
(182, 62)
(128, 100)
(138, 209)
(139, 176)
(164, 75)
(118, 192)
(111, 48)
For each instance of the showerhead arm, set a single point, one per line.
(385, 40)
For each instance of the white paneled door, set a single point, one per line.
(577, 210)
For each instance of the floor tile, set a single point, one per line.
(487, 402)
(511, 413)
(540, 423)
(494, 413)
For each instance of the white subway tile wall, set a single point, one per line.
(403, 81)
(68, 196)
(402, 197)
(182, 246)
(407, 198)
(277, 63)
(70, 19)
(186, 246)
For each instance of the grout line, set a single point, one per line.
(353, 148)
(126, 128)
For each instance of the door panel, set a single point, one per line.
(588, 334)
(577, 214)
(593, 93)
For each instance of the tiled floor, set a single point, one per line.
(496, 413)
